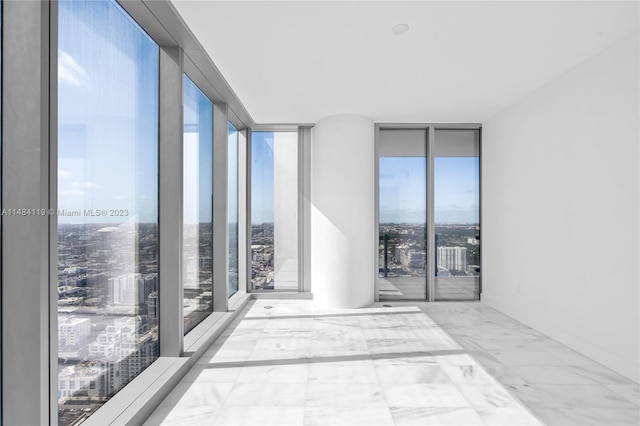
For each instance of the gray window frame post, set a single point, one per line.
(29, 324)
(304, 208)
(220, 207)
(171, 324)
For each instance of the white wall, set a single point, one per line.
(560, 208)
(342, 211)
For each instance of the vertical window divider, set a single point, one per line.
(242, 211)
(247, 225)
(480, 209)
(170, 202)
(220, 208)
(233, 175)
(28, 335)
(300, 210)
(53, 205)
(431, 237)
(376, 209)
(304, 209)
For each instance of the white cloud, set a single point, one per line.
(63, 173)
(69, 71)
(90, 185)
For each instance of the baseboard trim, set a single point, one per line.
(591, 350)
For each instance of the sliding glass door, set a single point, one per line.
(428, 213)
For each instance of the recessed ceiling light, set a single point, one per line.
(400, 29)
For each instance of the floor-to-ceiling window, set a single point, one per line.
(402, 212)
(429, 213)
(457, 213)
(81, 150)
(232, 182)
(197, 232)
(274, 211)
(107, 204)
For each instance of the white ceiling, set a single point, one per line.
(299, 61)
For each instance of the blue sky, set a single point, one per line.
(108, 135)
(197, 155)
(262, 195)
(108, 117)
(457, 190)
(403, 186)
(403, 189)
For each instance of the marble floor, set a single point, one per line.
(290, 362)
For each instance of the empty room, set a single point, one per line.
(320, 212)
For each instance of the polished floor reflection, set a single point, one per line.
(290, 362)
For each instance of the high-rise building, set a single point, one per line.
(132, 289)
(453, 258)
(152, 308)
(73, 331)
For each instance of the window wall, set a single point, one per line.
(197, 231)
(274, 211)
(232, 182)
(81, 154)
(428, 212)
(107, 287)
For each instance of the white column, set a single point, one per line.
(342, 211)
